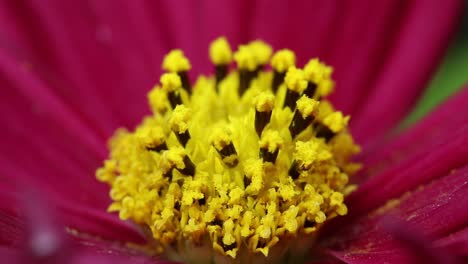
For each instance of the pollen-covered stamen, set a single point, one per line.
(270, 145)
(264, 105)
(296, 84)
(247, 64)
(282, 60)
(221, 57)
(306, 155)
(176, 62)
(177, 158)
(222, 142)
(153, 139)
(179, 123)
(303, 116)
(171, 85)
(262, 53)
(318, 76)
(332, 124)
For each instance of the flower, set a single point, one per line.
(69, 84)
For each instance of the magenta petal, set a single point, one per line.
(45, 141)
(435, 155)
(423, 136)
(456, 243)
(435, 210)
(408, 66)
(419, 169)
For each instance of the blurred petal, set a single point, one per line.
(434, 156)
(424, 135)
(34, 235)
(456, 242)
(81, 219)
(435, 210)
(407, 66)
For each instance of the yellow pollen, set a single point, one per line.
(170, 82)
(175, 61)
(220, 52)
(265, 102)
(261, 50)
(306, 106)
(283, 60)
(245, 58)
(230, 173)
(295, 80)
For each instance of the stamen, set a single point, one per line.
(221, 56)
(262, 53)
(179, 123)
(263, 108)
(318, 76)
(176, 62)
(171, 84)
(270, 145)
(296, 84)
(303, 116)
(178, 159)
(281, 62)
(153, 139)
(222, 142)
(247, 64)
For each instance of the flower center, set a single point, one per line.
(243, 163)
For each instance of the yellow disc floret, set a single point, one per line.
(261, 50)
(170, 82)
(218, 174)
(283, 60)
(245, 58)
(175, 61)
(220, 52)
(295, 80)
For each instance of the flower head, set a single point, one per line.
(235, 165)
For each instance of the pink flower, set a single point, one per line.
(71, 73)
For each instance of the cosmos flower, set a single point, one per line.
(74, 72)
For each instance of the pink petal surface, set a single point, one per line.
(435, 210)
(424, 135)
(36, 236)
(430, 150)
(456, 242)
(409, 64)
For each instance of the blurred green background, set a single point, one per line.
(451, 75)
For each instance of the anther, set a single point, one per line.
(222, 142)
(318, 75)
(270, 145)
(171, 83)
(189, 167)
(179, 123)
(310, 89)
(153, 139)
(281, 62)
(296, 84)
(176, 62)
(264, 105)
(177, 158)
(262, 53)
(185, 81)
(322, 131)
(303, 115)
(221, 56)
(247, 64)
(332, 124)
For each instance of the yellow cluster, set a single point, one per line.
(222, 169)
